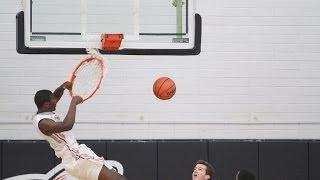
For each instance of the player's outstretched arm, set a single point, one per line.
(49, 127)
(57, 94)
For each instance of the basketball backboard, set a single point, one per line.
(149, 27)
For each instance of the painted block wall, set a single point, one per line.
(257, 77)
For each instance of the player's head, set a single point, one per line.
(202, 171)
(244, 175)
(44, 100)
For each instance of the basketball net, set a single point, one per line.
(93, 51)
(96, 52)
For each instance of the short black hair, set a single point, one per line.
(41, 97)
(245, 175)
(209, 170)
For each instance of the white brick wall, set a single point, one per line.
(258, 76)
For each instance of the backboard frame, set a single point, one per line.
(22, 47)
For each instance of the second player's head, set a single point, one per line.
(202, 171)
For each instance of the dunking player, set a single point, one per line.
(78, 160)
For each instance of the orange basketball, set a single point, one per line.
(164, 88)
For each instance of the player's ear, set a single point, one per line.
(46, 104)
(207, 176)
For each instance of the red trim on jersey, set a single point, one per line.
(76, 152)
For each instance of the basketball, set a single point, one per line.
(164, 88)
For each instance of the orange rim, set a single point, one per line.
(86, 60)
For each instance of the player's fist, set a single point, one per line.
(67, 85)
(77, 100)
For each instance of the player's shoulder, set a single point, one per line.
(45, 115)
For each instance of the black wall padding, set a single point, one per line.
(26, 157)
(139, 159)
(1, 160)
(229, 157)
(176, 160)
(314, 161)
(283, 161)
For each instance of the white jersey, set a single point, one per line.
(60, 142)
(79, 160)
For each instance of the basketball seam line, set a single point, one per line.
(166, 90)
(161, 86)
